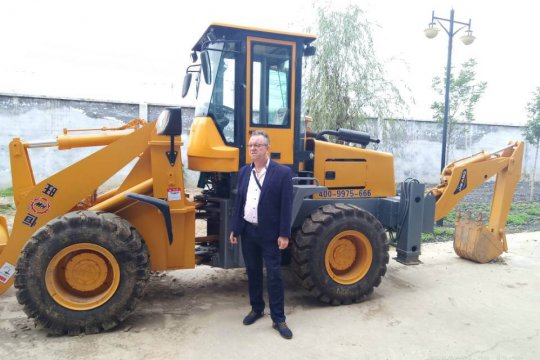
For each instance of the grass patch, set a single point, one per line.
(6, 207)
(443, 233)
(533, 212)
(6, 192)
(428, 237)
(518, 219)
(523, 216)
(530, 208)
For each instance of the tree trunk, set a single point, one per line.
(531, 194)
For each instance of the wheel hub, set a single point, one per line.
(86, 271)
(348, 257)
(82, 276)
(343, 254)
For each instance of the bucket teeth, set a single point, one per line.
(480, 218)
(474, 241)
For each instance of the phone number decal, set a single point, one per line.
(345, 193)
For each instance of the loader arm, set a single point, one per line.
(472, 239)
(59, 193)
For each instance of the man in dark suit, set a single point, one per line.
(262, 217)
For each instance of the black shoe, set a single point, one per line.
(252, 317)
(283, 330)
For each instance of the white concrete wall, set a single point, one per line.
(421, 157)
(417, 154)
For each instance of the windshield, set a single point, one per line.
(216, 100)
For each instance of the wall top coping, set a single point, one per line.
(460, 123)
(66, 98)
(7, 94)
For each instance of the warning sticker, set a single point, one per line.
(6, 272)
(174, 194)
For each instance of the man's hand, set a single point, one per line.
(282, 242)
(233, 239)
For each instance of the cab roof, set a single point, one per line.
(226, 29)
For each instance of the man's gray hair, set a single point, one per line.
(261, 133)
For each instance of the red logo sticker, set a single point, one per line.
(40, 205)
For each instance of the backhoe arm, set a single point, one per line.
(461, 177)
(472, 239)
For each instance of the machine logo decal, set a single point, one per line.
(462, 182)
(6, 272)
(40, 205)
(30, 220)
(50, 190)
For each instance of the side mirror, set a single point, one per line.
(205, 65)
(193, 56)
(187, 83)
(310, 50)
(169, 122)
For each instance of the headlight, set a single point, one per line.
(169, 122)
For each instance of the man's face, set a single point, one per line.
(258, 147)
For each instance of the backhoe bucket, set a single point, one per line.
(3, 233)
(474, 241)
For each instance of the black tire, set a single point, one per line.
(360, 242)
(83, 272)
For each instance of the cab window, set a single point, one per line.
(217, 99)
(271, 85)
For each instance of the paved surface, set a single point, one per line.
(446, 308)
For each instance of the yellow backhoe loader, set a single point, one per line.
(80, 257)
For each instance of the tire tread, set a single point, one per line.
(308, 235)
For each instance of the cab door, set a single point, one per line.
(270, 94)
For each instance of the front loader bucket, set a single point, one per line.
(3, 233)
(474, 241)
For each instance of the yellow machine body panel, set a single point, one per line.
(352, 172)
(4, 235)
(21, 170)
(206, 149)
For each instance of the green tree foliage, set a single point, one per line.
(532, 131)
(465, 92)
(345, 83)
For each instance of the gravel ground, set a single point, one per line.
(445, 308)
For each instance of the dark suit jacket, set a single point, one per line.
(275, 202)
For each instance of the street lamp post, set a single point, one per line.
(467, 39)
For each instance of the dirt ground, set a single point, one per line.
(445, 308)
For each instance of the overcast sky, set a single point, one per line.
(138, 50)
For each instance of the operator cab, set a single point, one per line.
(247, 79)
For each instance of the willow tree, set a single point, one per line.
(345, 82)
(532, 133)
(465, 93)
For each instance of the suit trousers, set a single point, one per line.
(255, 249)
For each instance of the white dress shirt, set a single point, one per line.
(253, 194)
